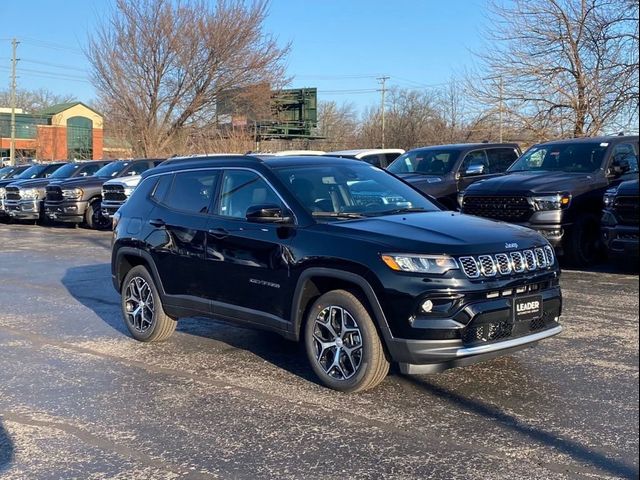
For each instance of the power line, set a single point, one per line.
(54, 65)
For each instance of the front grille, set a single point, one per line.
(626, 209)
(113, 193)
(12, 193)
(487, 332)
(540, 258)
(54, 194)
(509, 209)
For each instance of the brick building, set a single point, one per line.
(64, 131)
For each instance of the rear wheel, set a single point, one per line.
(342, 343)
(583, 245)
(142, 308)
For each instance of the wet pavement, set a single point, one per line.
(80, 399)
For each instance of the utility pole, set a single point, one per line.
(501, 88)
(12, 148)
(383, 81)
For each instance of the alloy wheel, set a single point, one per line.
(139, 304)
(337, 341)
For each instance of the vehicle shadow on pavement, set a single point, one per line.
(91, 286)
(6, 449)
(563, 445)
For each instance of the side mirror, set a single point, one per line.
(474, 169)
(619, 167)
(269, 213)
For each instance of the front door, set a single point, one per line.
(248, 263)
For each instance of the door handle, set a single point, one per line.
(218, 232)
(158, 223)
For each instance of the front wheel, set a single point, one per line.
(94, 219)
(342, 343)
(583, 245)
(142, 308)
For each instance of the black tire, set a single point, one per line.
(583, 244)
(152, 324)
(370, 366)
(94, 219)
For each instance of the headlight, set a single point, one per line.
(436, 264)
(29, 194)
(3, 192)
(609, 198)
(128, 191)
(552, 202)
(72, 194)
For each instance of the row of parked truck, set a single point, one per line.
(581, 194)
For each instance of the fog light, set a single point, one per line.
(427, 306)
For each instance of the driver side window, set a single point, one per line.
(242, 189)
(478, 157)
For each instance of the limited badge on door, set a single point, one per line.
(527, 308)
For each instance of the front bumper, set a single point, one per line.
(621, 240)
(109, 209)
(443, 354)
(23, 209)
(68, 211)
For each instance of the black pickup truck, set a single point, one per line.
(78, 200)
(557, 189)
(620, 220)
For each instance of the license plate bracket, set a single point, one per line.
(527, 308)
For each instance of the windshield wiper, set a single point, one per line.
(337, 215)
(401, 210)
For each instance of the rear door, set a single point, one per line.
(247, 263)
(178, 240)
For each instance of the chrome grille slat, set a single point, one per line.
(518, 262)
(549, 254)
(529, 260)
(487, 265)
(507, 263)
(470, 267)
(504, 264)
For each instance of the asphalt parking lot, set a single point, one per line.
(80, 399)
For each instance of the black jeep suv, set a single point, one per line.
(78, 200)
(444, 170)
(557, 189)
(620, 220)
(339, 254)
(25, 198)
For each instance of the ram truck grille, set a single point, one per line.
(508, 209)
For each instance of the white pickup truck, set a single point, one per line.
(116, 192)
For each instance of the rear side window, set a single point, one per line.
(374, 160)
(500, 159)
(137, 169)
(162, 187)
(390, 157)
(90, 169)
(192, 191)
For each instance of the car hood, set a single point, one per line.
(629, 188)
(527, 183)
(440, 233)
(34, 183)
(131, 181)
(80, 182)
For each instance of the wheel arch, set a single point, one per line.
(316, 281)
(128, 258)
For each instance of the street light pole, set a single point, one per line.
(383, 81)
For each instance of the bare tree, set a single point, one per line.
(161, 65)
(562, 67)
(32, 101)
(338, 124)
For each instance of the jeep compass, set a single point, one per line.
(359, 266)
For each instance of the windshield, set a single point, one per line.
(579, 157)
(112, 170)
(427, 161)
(32, 172)
(351, 191)
(5, 172)
(66, 171)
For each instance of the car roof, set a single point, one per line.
(465, 146)
(249, 161)
(366, 151)
(601, 139)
